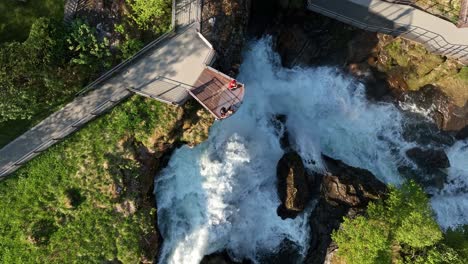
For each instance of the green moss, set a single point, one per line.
(463, 74)
(397, 53)
(62, 207)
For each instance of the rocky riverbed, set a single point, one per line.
(429, 90)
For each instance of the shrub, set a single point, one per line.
(400, 228)
(86, 48)
(151, 14)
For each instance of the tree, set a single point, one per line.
(28, 71)
(402, 224)
(363, 241)
(86, 49)
(151, 15)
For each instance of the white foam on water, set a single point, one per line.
(222, 193)
(451, 203)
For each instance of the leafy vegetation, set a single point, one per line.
(86, 49)
(147, 12)
(33, 74)
(399, 230)
(18, 16)
(76, 202)
(44, 71)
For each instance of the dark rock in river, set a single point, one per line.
(425, 133)
(288, 253)
(433, 177)
(293, 189)
(429, 159)
(344, 191)
(462, 134)
(219, 258)
(441, 108)
(306, 38)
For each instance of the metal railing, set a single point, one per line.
(100, 109)
(434, 42)
(433, 7)
(125, 63)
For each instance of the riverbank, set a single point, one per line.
(90, 197)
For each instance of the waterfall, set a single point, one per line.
(222, 193)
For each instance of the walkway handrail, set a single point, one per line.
(430, 10)
(65, 132)
(457, 51)
(126, 62)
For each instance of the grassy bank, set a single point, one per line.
(86, 200)
(17, 16)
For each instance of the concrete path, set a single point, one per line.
(179, 57)
(436, 34)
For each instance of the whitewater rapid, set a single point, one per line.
(221, 194)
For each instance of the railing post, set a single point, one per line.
(173, 22)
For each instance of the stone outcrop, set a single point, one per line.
(429, 159)
(225, 26)
(305, 38)
(292, 185)
(429, 167)
(218, 258)
(345, 191)
(462, 134)
(411, 75)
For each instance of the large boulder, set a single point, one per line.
(293, 189)
(219, 258)
(344, 191)
(462, 134)
(428, 159)
(440, 107)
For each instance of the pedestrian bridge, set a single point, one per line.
(170, 69)
(436, 34)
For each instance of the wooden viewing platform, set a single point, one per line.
(212, 92)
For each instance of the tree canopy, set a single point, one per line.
(400, 229)
(30, 71)
(151, 14)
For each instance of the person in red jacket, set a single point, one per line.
(232, 84)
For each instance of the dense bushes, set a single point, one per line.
(399, 230)
(54, 62)
(147, 12)
(33, 74)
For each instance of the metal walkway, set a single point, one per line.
(180, 55)
(437, 35)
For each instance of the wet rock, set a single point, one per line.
(419, 130)
(462, 134)
(279, 123)
(292, 185)
(227, 32)
(433, 178)
(362, 46)
(345, 191)
(218, 258)
(429, 159)
(445, 113)
(288, 253)
(292, 4)
(294, 44)
(304, 38)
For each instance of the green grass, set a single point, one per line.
(63, 206)
(17, 17)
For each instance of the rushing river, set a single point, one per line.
(222, 193)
